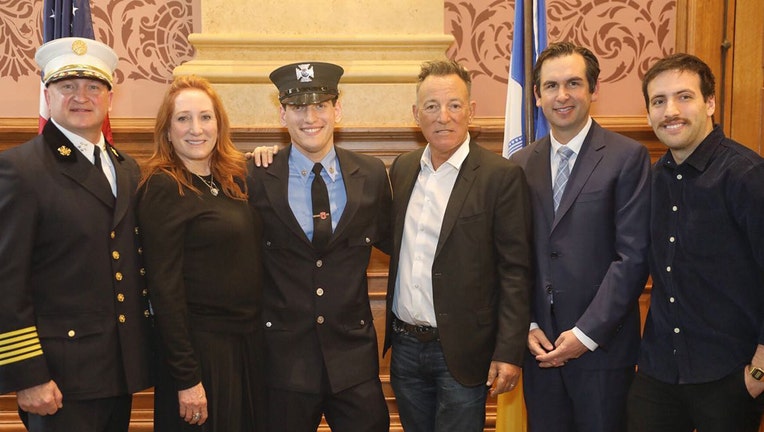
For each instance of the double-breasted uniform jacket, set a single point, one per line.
(591, 256)
(74, 305)
(315, 304)
(481, 273)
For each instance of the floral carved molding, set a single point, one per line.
(150, 36)
(626, 35)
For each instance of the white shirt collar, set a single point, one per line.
(456, 160)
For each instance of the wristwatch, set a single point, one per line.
(757, 373)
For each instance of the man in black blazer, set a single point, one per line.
(74, 318)
(459, 281)
(321, 346)
(591, 237)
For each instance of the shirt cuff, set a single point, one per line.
(590, 344)
(534, 326)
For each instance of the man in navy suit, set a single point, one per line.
(590, 196)
(74, 318)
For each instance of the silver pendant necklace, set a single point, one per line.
(211, 184)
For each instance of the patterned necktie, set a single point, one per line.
(563, 172)
(322, 221)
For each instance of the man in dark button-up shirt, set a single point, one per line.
(702, 354)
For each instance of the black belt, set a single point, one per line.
(421, 332)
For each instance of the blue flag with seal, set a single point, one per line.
(519, 84)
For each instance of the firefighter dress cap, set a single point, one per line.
(75, 57)
(307, 83)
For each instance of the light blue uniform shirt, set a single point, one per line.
(300, 181)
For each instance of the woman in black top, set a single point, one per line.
(202, 251)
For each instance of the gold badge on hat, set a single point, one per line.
(64, 151)
(304, 72)
(79, 47)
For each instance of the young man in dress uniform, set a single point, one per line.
(323, 208)
(74, 319)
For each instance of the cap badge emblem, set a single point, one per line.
(304, 73)
(79, 47)
(64, 151)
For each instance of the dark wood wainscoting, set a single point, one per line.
(134, 136)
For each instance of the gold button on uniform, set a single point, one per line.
(71, 333)
(319, 263)
(320, 292)
(118, 276)
(115, 255)
(146, 313)
(145, 292)
(122, 318)
(112, 234)
(140, 251)
(320, 319)
(136, 230)
(143, 271)
(120, 297)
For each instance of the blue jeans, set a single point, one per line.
(429, 398)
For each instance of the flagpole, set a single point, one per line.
(528, 99)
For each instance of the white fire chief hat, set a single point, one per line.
(75, 57)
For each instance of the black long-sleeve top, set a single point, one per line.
(202, 256)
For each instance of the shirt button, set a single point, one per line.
(71, 333)
(320, 319)
(319, 263)
(122, 319)
(320, 292)
(672, 239)
(668, 269)
(115, 255)
(678, 176)
(118, 276)
(676, 330)
(269, 324)
(120, 297)
(672, 299)
(674, 208)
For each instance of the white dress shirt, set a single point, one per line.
(86, 148)
(413, 300)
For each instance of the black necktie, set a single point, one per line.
(322, 221)
(97, 162)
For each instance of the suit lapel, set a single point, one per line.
(409, 166)
(464, 180)
(75, 166)
(124, 185)
(354, 181)
(540, 176)
(586, 162)
(276, 184)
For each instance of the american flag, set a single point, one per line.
(66, 18)
(515, 115)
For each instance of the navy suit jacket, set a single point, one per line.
(70, 270)
(591, 256)
(481, 272)
(316, 305)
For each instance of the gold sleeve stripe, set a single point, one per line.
(27, 337)
(15, 333)
(4, 362)
(11, 348)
